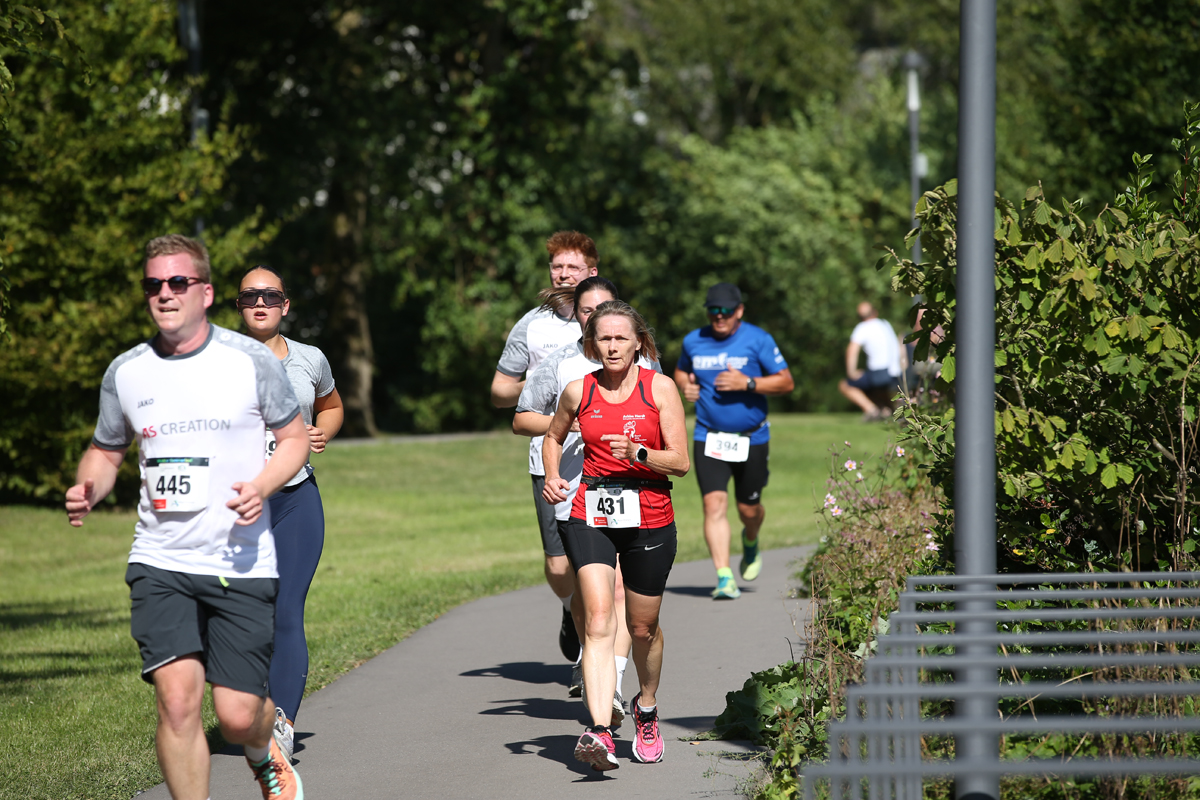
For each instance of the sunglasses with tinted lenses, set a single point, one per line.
(721, 311)
(248, 298)
(179, 284)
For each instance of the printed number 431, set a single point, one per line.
(608, 506)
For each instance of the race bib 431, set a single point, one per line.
(612, 507)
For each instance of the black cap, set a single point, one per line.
(723, 294)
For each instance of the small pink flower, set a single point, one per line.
(860, 477)
(830, 500)
(850, 464)
(900, 451)
(836, 511)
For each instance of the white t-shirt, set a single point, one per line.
(879, 342)
(542, 390)
(535, 336)
(199, 420)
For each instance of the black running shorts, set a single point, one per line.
(228, 623)
(749, 476)
(646, 553)
(548, 526)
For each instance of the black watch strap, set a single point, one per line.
(750, 384)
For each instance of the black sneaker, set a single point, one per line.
(568, 639)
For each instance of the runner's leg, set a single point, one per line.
(245, 718)
(179, 739)
(642, 612)
(716, 527)
(298, 520)
(596, 585)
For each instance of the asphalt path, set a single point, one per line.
(474, 705)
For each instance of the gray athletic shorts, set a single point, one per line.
(551, 542)
(230, 626)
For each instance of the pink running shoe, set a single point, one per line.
(596, 747)
(647, 742)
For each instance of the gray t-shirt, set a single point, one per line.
(198, 419)
(308, 370)
(535, 336)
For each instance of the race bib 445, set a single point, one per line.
(177, 484)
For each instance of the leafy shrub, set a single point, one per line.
(1098, 342)
(878, 515)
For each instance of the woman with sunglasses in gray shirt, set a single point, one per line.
(297, 517)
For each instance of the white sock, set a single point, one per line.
(566, 601)
(257, 755)
(622, 662)
(645, 710)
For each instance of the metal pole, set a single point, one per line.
(975, 450)
(913, 62)
(189, 37)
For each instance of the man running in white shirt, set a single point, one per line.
(539, 333)
(202, 570)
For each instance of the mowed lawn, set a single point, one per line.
(414, 528)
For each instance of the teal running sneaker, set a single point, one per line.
(751, 559)
(726, 588)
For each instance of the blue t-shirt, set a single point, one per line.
(750, 350)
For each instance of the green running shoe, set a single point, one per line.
(726, 589)
(751, 559)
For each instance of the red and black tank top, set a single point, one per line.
(637, 418)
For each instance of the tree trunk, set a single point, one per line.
(350, 325)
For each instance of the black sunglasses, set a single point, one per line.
(179, 284)
(248, 298)
(721, 311)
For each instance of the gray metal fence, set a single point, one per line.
(1010, 630)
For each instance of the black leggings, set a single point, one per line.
(646, 553)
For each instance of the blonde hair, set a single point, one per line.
(174, 243)
(619, 308)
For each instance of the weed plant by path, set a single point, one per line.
(414, 528)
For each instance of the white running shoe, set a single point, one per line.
(284, 734)
(618, 715)
(576, 687)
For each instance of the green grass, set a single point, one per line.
(414, 528)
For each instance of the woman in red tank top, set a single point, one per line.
(631, 421)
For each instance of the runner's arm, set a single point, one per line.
(555, 488)
(94, 479)
(291, 452)
(673, 459)
(686, 381)
(779, 383)
(505, 390)
(852, 370)
(327, 420)
(531, 423)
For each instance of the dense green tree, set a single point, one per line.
(93, 171)
(410, 150)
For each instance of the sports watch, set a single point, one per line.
(750, 385)
(641, 454)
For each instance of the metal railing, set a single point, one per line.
(936, 653)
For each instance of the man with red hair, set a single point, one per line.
(540, 332)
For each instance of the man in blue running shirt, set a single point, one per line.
(727, 369)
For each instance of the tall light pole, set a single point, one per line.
(913, 63)
(974, 423)
(189, 37)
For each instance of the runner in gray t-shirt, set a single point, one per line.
(540, 332)
(296, 509)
